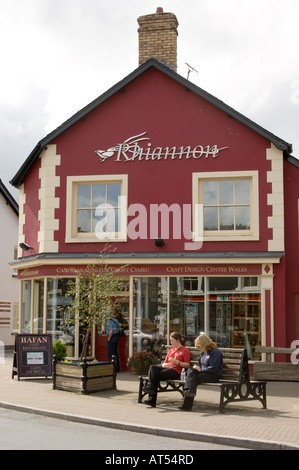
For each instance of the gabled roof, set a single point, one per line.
(8, 198)
(279, 143)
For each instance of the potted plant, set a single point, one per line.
(93, 295)
(141, 361)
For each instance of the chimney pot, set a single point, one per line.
(159, 10)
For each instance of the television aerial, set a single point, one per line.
(190, 69)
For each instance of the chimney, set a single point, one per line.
(158, 38)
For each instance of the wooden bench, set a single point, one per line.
(278, 371)
(235, 385)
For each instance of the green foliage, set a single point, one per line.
(94, 295)
(59, 350)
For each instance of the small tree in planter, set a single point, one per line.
(94, 294)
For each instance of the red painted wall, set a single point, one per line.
(171, 116)
(31, 208)
(291, 187)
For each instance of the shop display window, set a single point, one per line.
(38, 305)
(186, 307)
(26, 306)
(228, 309)
(150, 314)
(57, 311)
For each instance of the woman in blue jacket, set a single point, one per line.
(209, 369)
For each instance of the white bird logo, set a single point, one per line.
(128, 145)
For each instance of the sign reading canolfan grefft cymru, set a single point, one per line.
(33, 356)
(138, 148)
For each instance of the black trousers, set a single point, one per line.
(156, 374)
(195, 378)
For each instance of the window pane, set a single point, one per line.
(242, 192)
(187, 311)
(222, 284)
(38, 305)
(150, 314)
(113, 193)
(98, 194)
(243, 218)
(84, 193)
(210, 192)
(57, 310)
(112, 220)
(26, 306)
(83, 224)
(226, 218)
(99, 221)
(226, 192)
(210, 218)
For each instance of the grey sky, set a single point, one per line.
(59, 55)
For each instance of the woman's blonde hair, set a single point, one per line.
(204, 343)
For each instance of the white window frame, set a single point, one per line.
(72, 235)
(197, 207)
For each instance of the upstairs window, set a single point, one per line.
(225, 205)
(96, 208)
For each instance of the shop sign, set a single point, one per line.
(33, 356)
(149, 269)
(134, 149)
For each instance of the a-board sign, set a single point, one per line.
(33, 356)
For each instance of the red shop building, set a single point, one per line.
(199, 203)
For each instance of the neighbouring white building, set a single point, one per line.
(9, 286)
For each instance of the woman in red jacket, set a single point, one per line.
(177, 358)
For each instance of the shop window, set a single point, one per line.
(225, 206)
(96, 208)
(26, 306)
(57, 311)
(38, 305)
(228, 309)
(233, 312)
(150, 314)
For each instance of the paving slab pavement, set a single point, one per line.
(247, 424)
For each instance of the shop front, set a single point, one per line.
(230, 302)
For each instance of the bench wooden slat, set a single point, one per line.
(273, 350)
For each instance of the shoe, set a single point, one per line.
(182, 408)
(187, 393)
(149, 390)
(150, 403)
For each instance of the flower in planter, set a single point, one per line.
(141, 361)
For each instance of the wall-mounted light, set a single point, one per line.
(159, 242)
(25, 247)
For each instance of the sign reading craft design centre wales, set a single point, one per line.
(33, 355)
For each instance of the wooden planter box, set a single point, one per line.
(84, 377)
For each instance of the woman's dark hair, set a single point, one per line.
(176, 335)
